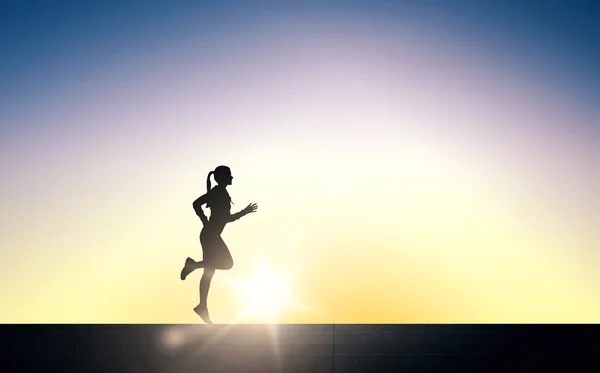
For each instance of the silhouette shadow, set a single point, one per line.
(215, 253)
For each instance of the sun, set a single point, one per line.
(266, 293)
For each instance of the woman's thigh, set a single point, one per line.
(214, 248)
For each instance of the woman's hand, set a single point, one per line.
(204, 220)
(250, 208)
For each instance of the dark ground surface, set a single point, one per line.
(300, 348)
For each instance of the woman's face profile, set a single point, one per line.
(225, 178)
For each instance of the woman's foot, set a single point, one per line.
(187, 268)
(202, 311)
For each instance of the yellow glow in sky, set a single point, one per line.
(392, 188)
(266, 294)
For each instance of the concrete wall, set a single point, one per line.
(299, 348)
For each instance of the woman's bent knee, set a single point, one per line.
(226, 264)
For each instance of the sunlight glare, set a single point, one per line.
(267, 293)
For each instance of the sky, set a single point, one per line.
(413, 161)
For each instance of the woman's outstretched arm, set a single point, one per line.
(249, 209)
(198, 208)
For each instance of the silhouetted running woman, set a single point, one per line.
(215, 253)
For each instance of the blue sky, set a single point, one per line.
(40, 39)
(481, 114)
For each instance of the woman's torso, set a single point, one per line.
(219, 203)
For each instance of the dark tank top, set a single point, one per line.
(219, 203)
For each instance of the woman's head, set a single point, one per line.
(222, 176)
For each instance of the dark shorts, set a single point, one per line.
(213, 246)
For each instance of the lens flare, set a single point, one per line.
(267, 294)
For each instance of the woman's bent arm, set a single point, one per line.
(198, 208)
(236, 216)
(250, 208)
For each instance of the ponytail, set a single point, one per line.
(208, 181)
